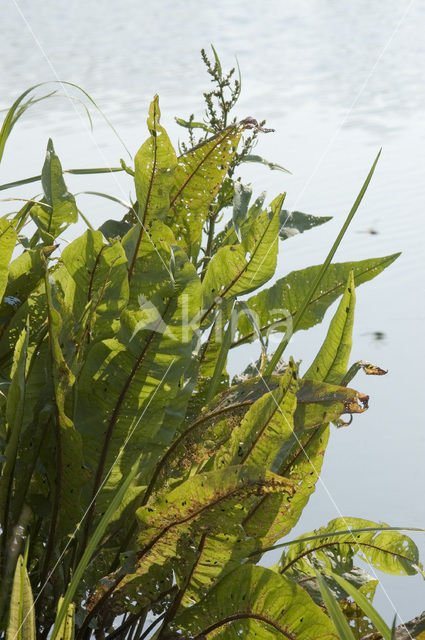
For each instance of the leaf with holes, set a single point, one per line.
(388, 551)
(255, 602)
(272, 517)
(198, 176)
(154, 164)
(128, 381)
(172, 524)
(266, 427)
(273, 307)
(212, 499)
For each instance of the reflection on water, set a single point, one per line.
(304, 65)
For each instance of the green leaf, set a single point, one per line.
(193, 125)
(294, 222)
(211, 499)
(14, 414)
(100, 275)
(331, 362)
(217, 66)
(60, 209)
(239, 269)
(274, 306)
(388, 551)
(255, 602)
(128, 381)
(15, 112)
(255, 441)
(112, 229)
(155, 164)
(174, 522)
(273, 516)
(365, 606)
(63, 453)
(22, 615)
(228, 235)
(198, 176)
(359, 578)
(221, 358)
(265, 428)
(67, 627)
(31, 179)
(320, 403)
(8, 239)
(260, 160)
(341, 624)
(200, 440)
(361, 624)
(217, 554)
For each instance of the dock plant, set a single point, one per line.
(141, 484)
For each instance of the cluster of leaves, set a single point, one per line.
(139, 488)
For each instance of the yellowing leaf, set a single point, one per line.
(198, 177)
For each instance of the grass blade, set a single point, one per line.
(78, 172)
(315, 285)
(365, 606)
(100, 194)
(338, 618)
(19, 107)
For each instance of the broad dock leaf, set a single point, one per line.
(198, 176)
(388, 551)
(273, 306)
(239, 269)
(255, 602)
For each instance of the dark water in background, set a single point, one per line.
(303, 66)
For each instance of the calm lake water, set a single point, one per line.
(337, 80)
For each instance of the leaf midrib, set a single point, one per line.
(345, 542)
(282, 472)
(277, 408)
(148, 196)
(241, 615)
(182, 436)
(200, 163)
(261, 483)
(246, 337)
(240, 273)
